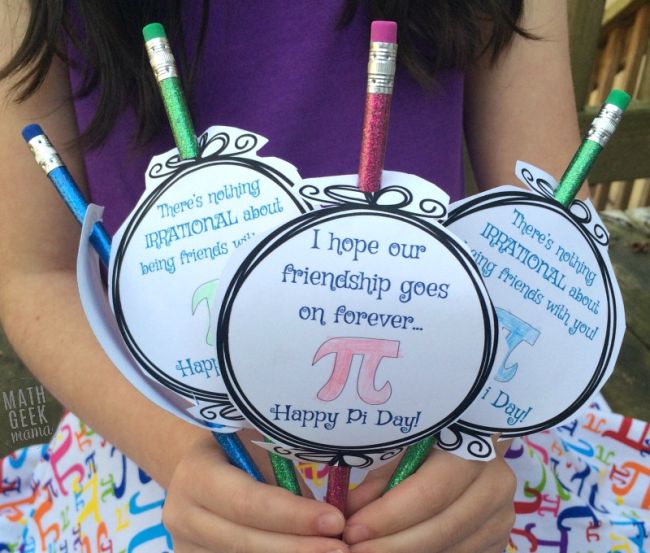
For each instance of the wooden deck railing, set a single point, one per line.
(610, 48)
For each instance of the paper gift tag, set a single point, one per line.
(168, 256)
(559, 308)
(352, 331)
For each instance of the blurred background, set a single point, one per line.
(610, 48)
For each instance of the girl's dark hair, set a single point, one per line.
(432, 35)
(446, 34)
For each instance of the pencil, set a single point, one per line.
(164, 68)
(163, 64)
(382, 62)
(596, 137)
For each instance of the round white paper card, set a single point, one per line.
(355, 330)
(558, 306)
(170, 253)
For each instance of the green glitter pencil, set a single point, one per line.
(164, 68)
(285, 474)
(597, 136)
(411, 461)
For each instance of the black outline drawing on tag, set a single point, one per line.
(229, 153)
(579, 216)
(361, 456)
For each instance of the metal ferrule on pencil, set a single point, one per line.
(161, 58)
(45, 154)
(604, 125)
(382, 62)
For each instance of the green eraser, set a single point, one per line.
(619, 98)
(153, 30)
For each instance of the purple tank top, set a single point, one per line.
(283, 70)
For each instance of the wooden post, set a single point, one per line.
(585, 17)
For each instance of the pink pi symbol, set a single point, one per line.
(373, 351)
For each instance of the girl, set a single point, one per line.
(293, 72)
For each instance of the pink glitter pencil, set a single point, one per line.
(381, 77)
(338, 482)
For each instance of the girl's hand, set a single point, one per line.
(448, 505)
(214, 507)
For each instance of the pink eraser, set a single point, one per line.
(383, 31)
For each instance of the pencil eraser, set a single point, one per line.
(30, 131)
(383, 31)
(153, 30)
(619, 98)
